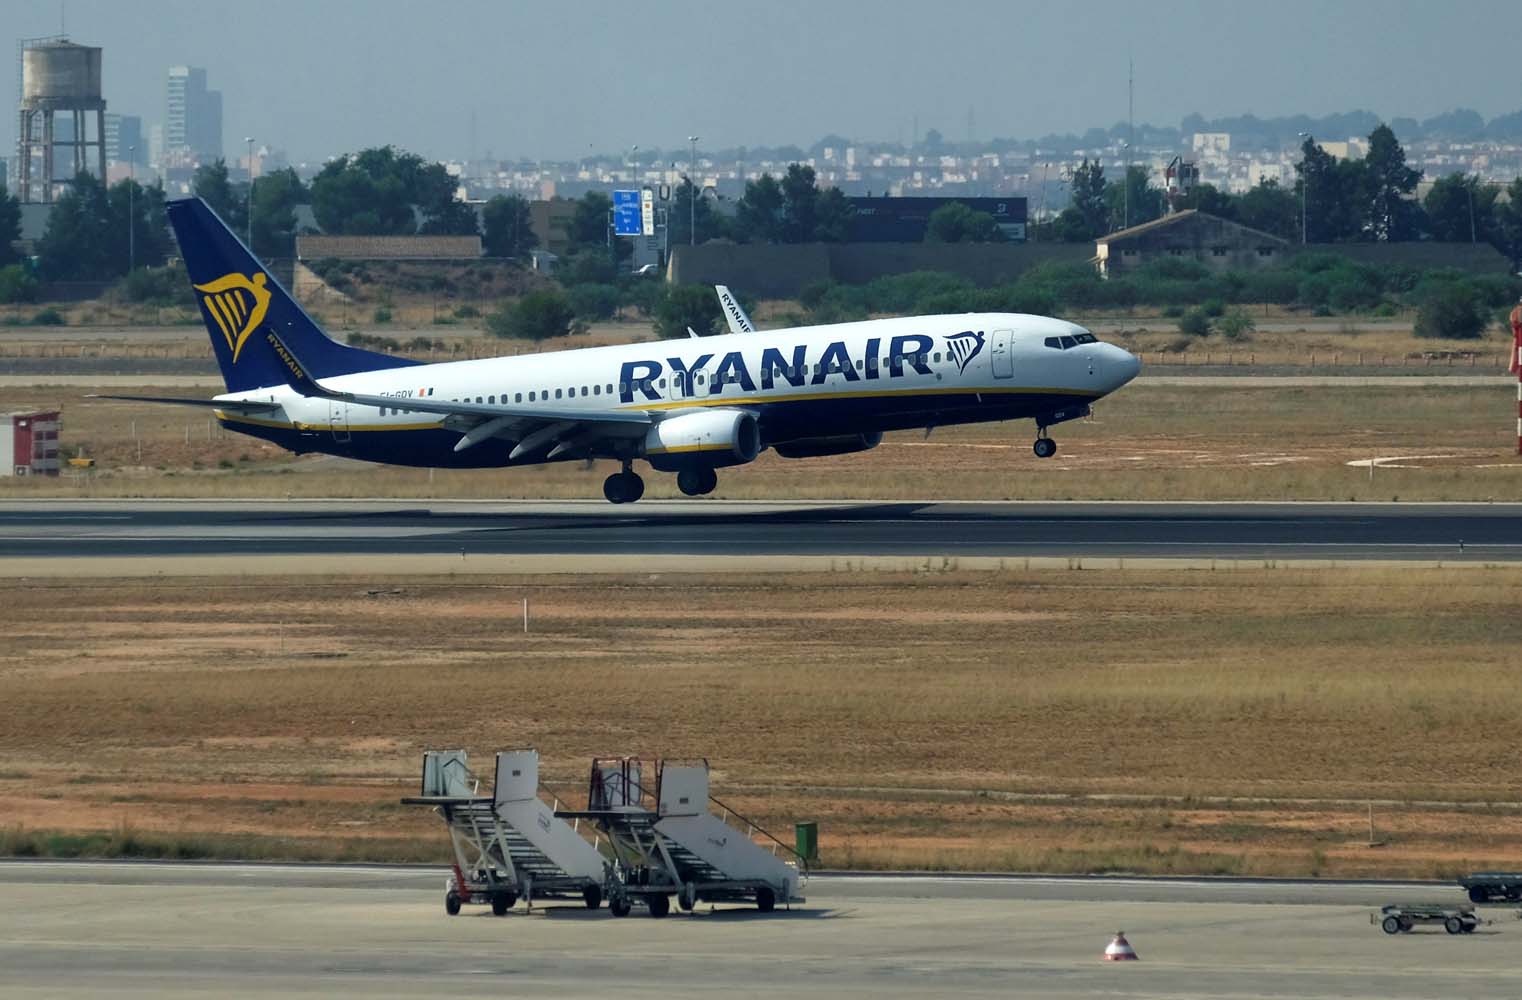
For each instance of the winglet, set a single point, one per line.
(733, 314)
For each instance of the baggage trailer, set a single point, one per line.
(1488, 887)
(1398, 918)
(508, 845)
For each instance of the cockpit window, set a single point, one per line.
(1068, 342)
(1054, 342)
(1086, 338)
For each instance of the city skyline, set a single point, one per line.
(539, 87)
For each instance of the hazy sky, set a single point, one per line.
(557, 78)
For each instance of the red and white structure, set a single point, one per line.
(1120, 949)
(1516, 366)
(29, 443)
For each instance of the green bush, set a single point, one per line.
(903, 293)
(1173, 310)
(594, 302)
(684, 306)
(17, 284)
(165, 286)
(382, 314)
(1451, 310)
(1213, 308)
(1235, 323)
(48, 317)
(588, 266)
(536, 316)
(467, 312)
(1195, 323)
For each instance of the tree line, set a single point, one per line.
(1368, 199)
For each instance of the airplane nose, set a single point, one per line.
(1122, 365)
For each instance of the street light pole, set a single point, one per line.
(1469, 189)
(1041, 214)
(1125, 218)
(131, 209)
(1305, 182)
(692, 194)
(249, 207)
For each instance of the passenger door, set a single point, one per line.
(338, 421)
(1003, 362)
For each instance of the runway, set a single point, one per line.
(1229, 531)
(82, 929)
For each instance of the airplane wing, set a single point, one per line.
(561, 429)
(734, 315)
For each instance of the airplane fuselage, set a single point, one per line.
(801, 383)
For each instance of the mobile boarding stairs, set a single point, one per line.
(508, 845)
(668, 842)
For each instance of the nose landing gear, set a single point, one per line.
(1044, 447)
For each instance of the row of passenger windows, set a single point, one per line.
(1063, 343)
(700, 378)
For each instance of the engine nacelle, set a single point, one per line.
(840, 444)
(707, 437)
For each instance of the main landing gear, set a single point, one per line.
(1044, 447)
(697, 482)
(623, 487)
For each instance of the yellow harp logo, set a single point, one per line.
(238, 304)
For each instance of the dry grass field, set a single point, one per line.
(1164, 721)
(1161, 442)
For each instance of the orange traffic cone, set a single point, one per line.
(1120, 949)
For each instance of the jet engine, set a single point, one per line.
(839, 444)
(708, 437)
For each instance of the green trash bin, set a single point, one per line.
(806, 837)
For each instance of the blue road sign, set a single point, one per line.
(626, 214)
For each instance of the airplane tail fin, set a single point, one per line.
(241, 303)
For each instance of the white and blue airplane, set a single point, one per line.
(688, 407)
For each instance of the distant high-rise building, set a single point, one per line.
(192, 117)
(124, 132)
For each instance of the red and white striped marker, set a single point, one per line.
(1516, 366)
(1120, 949)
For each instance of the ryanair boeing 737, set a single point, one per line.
(687, 407)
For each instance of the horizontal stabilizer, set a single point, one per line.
(229, 405)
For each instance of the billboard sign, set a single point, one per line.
(626, 213)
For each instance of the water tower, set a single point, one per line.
(59, 78)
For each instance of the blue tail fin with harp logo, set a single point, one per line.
(241, 303)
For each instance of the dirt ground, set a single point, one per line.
(1166, 721)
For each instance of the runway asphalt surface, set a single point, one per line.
(135, 929)
(1426, 532)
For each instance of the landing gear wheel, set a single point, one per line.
(688, 897)
(1044, 447)
(697, 482)
(660, 905)
(1390, 925)
(1453, 925)
(452, 903)
(502, 902)
(592, 896)
(766, 900)
(623, 487)
(619, 906)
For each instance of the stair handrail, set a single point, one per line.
(754, 828)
